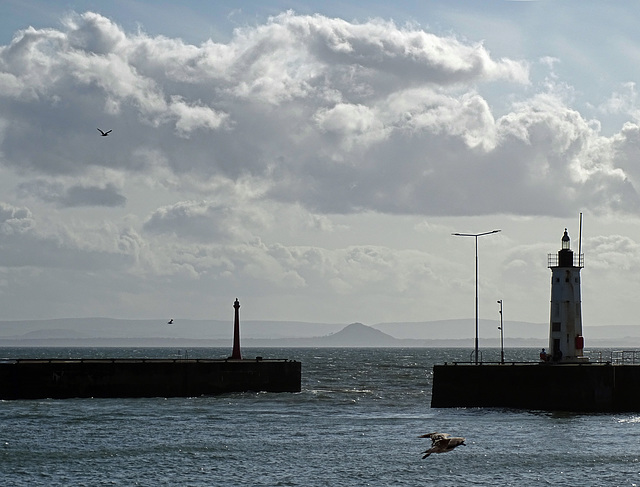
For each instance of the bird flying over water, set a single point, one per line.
(104, 134)
(170, 322)
(441, 443)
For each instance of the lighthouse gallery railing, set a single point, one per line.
(578, 260)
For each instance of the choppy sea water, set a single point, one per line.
(355, 423)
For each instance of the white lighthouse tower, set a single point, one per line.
(566, 342)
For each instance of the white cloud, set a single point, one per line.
(14, 220)
(624, 101)
(235, 164)
(311, 108)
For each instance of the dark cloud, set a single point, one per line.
(93, 196)
(25, 244)
(75, 195)
(207, 222)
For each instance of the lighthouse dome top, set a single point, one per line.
(566, 241)
(565, 257)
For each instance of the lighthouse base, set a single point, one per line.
(563, 387)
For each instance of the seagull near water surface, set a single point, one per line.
(104, 134)
(442, 443)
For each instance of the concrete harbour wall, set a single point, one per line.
(563, 387)
(33, 379)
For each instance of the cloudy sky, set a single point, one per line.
(314, 158)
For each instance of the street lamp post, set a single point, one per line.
(475, 235)
(501, 327)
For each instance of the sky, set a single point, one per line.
(313, 159)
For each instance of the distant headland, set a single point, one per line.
(106, 332)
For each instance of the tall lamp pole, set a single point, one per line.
(501, 327)
(476, 235)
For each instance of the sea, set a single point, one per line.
(356, 422)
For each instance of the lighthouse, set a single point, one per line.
(236, 354)
(565, 381)
(566, 342)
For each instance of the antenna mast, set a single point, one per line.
(580, 241)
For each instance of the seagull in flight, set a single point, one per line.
(441, 443)
(104, 134)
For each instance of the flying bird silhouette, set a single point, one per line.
(441, 443)
(104, 134)
(170, 322)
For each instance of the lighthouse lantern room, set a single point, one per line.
(566, 342)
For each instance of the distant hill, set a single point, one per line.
(358, 335)
(110, 328)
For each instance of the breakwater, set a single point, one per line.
(587, 387)
(124, 377)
